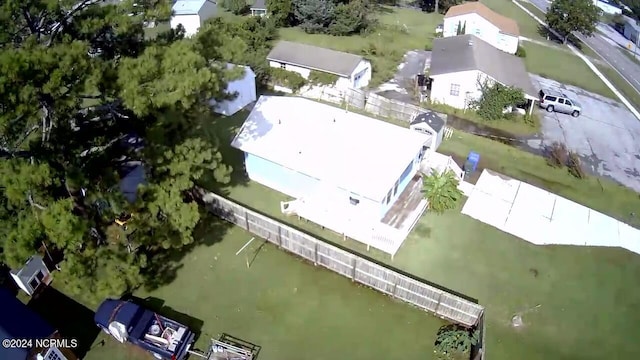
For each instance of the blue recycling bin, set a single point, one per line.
(471, 164)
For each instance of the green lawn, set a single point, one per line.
(588, 296)
(528, 26)
(563, 67)
(628, 91)
(400, 30)
(290, 308)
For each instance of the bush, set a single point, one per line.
(455, 342)
(574, 164)
(521, 52)
(557, 155)
(322, 78)
(288, 79)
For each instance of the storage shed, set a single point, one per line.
(430, 123)
(33, 275)
(243, 91)
(192, 14)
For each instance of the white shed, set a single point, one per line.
(430, 123)
(244, 90)
(32, 275)
(192, 14)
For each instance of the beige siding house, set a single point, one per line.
(477, 19)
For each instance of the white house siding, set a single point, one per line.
(191, 23)
(443, 92)
(301, 186)
(479, 26)
(360, 77)
(300, 70)
(607, 8)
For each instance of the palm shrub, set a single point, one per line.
(455, 342)
(441, 190)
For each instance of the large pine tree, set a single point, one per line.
(78, 78)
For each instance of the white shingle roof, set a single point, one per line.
(356, 153)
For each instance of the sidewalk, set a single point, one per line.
(586, 60)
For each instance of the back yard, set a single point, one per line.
(587, 296)
(289, 308)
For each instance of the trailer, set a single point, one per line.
(126, 321)
(229, 348)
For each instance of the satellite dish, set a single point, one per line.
(118, 331)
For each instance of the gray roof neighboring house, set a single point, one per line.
(259, 5)
(468, 52)
(315, 58)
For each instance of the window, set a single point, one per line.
(54, 354)
(551, 98)
(388, 198)
(40, 276)
(34, 283)
(455, 90)
(353, 200)
(283, 66)
(568, 102)
(561, 101)
(395, 189)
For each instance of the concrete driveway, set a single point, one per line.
(606, 134)
(401, 86)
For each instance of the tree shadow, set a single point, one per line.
(547, 34)
(72, 319)
(158, 305)
(6, 282)
(165, 265)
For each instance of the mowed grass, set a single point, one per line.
(563, 67)
(287, 306)
(528, 26)
(588, 296)
(399, 30)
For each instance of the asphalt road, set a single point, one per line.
(610, 52)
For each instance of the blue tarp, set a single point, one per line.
(129, 184)
(17, 321)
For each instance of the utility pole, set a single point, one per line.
(436, 9)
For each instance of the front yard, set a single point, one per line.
(587, 296)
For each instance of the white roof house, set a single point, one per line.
(243, 91)
(192, 14)
(349, 150)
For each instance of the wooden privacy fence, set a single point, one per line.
(426, 297)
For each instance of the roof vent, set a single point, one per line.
(279, 122)
(470, 42)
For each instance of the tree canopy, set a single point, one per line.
(335, 17)
(567, 16)
(80, 80)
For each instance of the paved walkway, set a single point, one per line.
(587, 61)
(542, 218)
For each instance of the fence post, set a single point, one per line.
(315, 256)
(353, 271)
(438, 305)
(246, 220)
(395, 287)
(279, 236)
